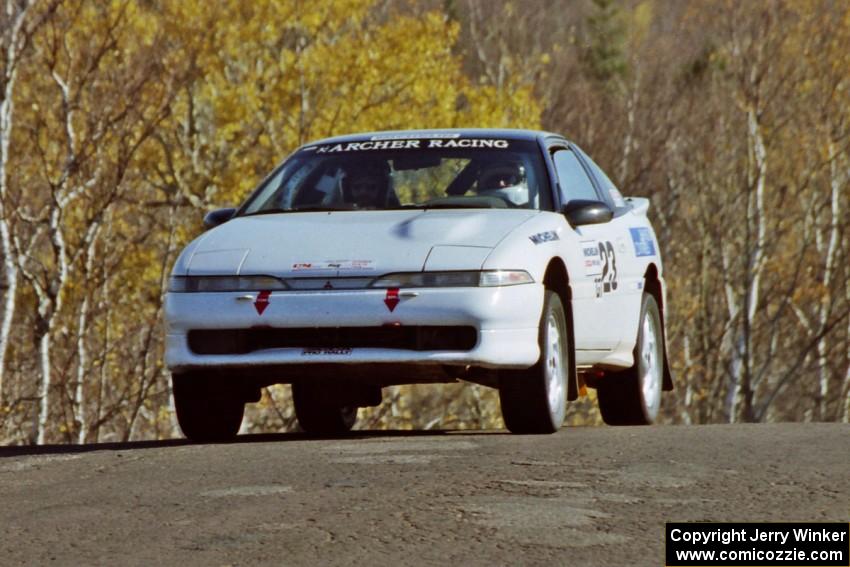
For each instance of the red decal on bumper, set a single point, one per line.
(392, 298)
(262, 301)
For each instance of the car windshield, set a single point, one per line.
(392, 173)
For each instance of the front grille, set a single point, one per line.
(243, 341)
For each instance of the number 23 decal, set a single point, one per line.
(609, 267)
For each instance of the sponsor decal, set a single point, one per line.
(391, 300)
(469, 143)
(303, 266)
(591, 258)
(600, 261)
(330, 351)
(262, 301)
(609, 267)
(541, 237)
(356, 265)
(410, 137)
(339, 265)
(642, 239)
(367, 146)
(407, 144)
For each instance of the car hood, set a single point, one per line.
(349, 243)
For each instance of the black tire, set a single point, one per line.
(534, 400)
(621, 395)
(318, 417)
(206, 409)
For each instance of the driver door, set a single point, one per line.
(597, 287)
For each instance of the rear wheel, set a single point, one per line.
(206, 409)
(318, 415)
(633, 397)
(535, 400)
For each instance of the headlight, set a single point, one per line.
(428, 279)
(224, 283)
(490, 278)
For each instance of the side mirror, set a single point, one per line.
(581, 212)
(219, 216)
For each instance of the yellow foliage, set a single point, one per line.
(284, 73)
(641, 20)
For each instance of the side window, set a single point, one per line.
(575, 184)
(605, 181)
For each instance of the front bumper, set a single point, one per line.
(506, 320)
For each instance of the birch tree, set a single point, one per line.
(107, 98)
(19, 22)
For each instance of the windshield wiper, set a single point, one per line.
(448, 206)
(278, 210)
(313, 209)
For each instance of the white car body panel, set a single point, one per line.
(453, 257)
(297, 244)
(505, 317)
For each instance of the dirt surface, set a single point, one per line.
(584, 496)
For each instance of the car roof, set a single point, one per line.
(509, 133)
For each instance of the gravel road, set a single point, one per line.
(584, 496)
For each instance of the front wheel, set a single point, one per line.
(535, 400)
(633, 397)
(319, 416)
(206, 409)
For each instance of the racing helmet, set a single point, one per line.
(367, 184)
(506, 180)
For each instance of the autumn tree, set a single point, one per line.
(728, 116)
(121, 123)
(19, 22)
(95, 93)
(140, 117)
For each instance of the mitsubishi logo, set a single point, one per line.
(328, 285)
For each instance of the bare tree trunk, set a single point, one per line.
(46, 386)
(11, 273)
(845, 417)
(846, 412)
(14, 43)
(743, 400)
(50, 311)
(82, 333)
(82, 362)
(628, 139)
(104, 359)
(730, 343)
(836, 182)
(685, 406)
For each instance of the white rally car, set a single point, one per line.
(501, 257)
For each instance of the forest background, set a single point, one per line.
(123, 122)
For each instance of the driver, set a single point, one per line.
(367, 186)
(505, 180)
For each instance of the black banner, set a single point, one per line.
(758, 544)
